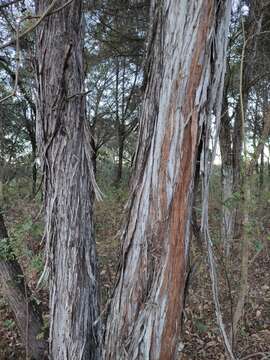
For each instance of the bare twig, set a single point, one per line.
(264, 355)
(17, 67)
(19, 35)
(78, 94)
(31, 28)
(7, 4)
(47, 12)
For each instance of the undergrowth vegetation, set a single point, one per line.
(202, 338)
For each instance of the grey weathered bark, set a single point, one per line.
(65, 150)
(186, 50)
(15, 290)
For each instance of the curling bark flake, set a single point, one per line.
(64, 145)
(186, 59)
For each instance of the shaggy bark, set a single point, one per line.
(26, 312)
(185, 59)
(64, 146)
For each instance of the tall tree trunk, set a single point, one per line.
(18, 296)
(185, 58)
(65, 149)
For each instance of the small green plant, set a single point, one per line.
(232, 201)
(44, 331)
(37, 263)
(201, 327)
(9, 324)
(258, 245)
(6, 252)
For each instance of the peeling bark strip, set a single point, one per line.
(186, 40)
(65, 150)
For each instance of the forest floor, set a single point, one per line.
(201, 337)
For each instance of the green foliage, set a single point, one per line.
(37, 263)
(6, 252)
(44, 331)
(258, 245)
(200, 326)
(232, 201)
(20, 235)
(9, 324)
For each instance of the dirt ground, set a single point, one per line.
(200, 334)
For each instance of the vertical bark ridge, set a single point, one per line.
(65, 150)
(144, 319)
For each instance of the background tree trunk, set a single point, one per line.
(65, 150)
(185, 44)
(18, 295)
(225, 141)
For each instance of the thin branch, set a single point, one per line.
(31, 28)
(60, 8)
(17, 67)
(21, 86)
(264, 355)
(78, 94)
(2, 6)
(47, 12)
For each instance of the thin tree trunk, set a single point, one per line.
(19, 298)
(145, 313)
(1, 189)
(228, 216)
(121, 140)
(238, 145)
(121, 126)
(118, 125)
(244, 238)
(261, 169)
(248, 170)
(34, 166)
(65, 150)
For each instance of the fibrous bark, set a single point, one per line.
(65, 151)
(186, 53)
